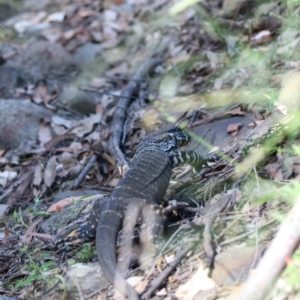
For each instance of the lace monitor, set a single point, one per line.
(144, 185)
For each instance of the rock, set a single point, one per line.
(87, 54)
(215, 133)
(44, 60)
(6, 11)
(9, 80)
(19, 122)
(77, 100)
(233, 264)
(89, 277)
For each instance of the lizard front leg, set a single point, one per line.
(85, 232)
(192, 158)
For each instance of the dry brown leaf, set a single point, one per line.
(44, 132)
(37, 175)
(279, 175)
(234, 127)
(9, 54)
(50, 171)
(26, 238)
(2, 151)
(52, 34)
(70, 200)
(98, 82)
(261, 38)
(84, 13)
(86, 125)
(141, 285)
(3, 208)
(272, 169)
(6, 235)
(198, 282)
(235, 112)
(121, 69)
(26, 183)
(58, 139)
(296, 169)
(41, 94)
(74, 147)
(6, 176)
(69, 34)
(63, 122)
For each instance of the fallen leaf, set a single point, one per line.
(44, 132)
(121, 69)
(56, 17)
(134, 280)
(98, 82)
(37, 175)
(2, 151)
(41, 93)
(235, 112)
(261, 38)
(3, 208)
(86, 125)
(296, 169)
(234, 127)
(69, 200)
(69, 34)
(26, 238)
(50, 171)
(52, 34)
(141, 285)
(162, 292)
(63, 122)
(6, 176)
(84, 13)
(6, 235)
(198, 282)
(26, 183)
(58, 139)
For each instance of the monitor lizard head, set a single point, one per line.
(163, 141)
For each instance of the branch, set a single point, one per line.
(273, 262)
(120, 112)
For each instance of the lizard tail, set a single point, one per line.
(109, 224)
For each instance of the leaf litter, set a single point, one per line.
(209, 73)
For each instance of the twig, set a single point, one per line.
(273, 262)
(84, 171)
(165, 273)
(6, 193)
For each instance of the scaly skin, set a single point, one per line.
(144, 184)
(150, 189)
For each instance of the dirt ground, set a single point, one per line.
(83, 82)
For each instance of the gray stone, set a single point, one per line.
(234, 264)
(20, 122)
(6, 11)
(77, 100)
(44, 60)
(89, 277)
(215, 134)
(9, 80)
(87, 54)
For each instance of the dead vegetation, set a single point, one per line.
(106, 73)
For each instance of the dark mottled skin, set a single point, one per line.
(144, 184)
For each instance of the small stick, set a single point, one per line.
(84, 171)
(166, 272)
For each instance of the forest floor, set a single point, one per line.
(72, 73)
